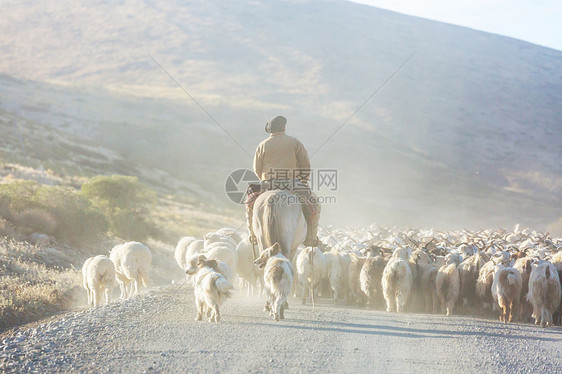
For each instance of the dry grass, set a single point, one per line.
(34, 282)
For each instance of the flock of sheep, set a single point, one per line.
(128, 264)
(516, 272)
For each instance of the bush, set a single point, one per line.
(120, 203)
(15, 197)
(131, 225)
(118, 192)
(59, 211)
(125, 202)
(33, 220)
(77, 218)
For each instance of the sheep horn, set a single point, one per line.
(417, 244)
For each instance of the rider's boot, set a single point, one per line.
(312, 234)
(249, 216)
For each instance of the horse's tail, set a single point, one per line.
(272, 233)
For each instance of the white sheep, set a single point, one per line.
(338, 273)
(194, 248)
(181, 249)
(297, 288)
(100, 276)
(447, 285)
(132, 265)
(85, 279)
(484, 284)
(245, 266)
(544, 292)
(556, 260)
(396, 283)
(232, 233)
(311, 267)
(122, 280)
(224, 252)
(215, 237)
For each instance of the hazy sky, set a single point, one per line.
(535, 21)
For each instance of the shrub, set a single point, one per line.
(32, 220)
(125, 202)
(59, 211)
(131, 225)
(77, 218)
(120, 203)
(15, 197)
(118, 192)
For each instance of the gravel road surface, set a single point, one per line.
(156, 332)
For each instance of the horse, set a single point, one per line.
(278, 218)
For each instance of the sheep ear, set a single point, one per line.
(275, 247)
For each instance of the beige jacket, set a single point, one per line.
(281, 157)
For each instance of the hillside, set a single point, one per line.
(467, 133)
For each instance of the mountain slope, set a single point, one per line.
(467, 132)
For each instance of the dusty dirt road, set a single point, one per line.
(157, 333)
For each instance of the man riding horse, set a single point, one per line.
(281, 163)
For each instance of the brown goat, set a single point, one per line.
(447, 284)
(370, 280)
(506, 290)
(469, 270)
